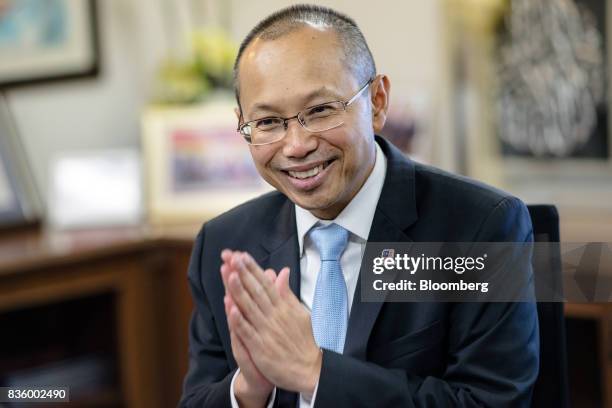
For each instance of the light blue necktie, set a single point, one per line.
(330, 304)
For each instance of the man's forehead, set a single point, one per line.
(296, 46)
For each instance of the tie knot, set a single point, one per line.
(330, 241)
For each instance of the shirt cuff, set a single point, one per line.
(305, 403)
(270, 399)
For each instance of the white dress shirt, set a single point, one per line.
(356, 218)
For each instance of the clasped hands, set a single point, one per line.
(270, 330)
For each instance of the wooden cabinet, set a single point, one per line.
(589, 326)
(590, 354)
(116, 299)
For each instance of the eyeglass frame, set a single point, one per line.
(345, 104)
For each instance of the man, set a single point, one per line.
(279, 319)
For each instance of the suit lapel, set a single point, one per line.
(395, 212)
(281, 245)
(287, 255)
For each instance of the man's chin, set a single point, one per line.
(324, 208)
(311, 203)
(317, 201)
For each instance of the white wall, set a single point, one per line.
(104, 112)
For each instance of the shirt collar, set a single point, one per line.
(357, 216)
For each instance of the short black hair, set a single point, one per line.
(358, 56)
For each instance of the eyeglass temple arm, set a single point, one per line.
(363, 88)
(239, 118)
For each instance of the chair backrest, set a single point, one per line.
(551, 388)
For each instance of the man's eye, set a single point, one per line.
(268, 123)
(321, 110)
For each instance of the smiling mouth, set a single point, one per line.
(306, 174)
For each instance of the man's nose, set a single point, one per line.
(298, 142)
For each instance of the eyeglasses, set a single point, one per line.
(318, 118)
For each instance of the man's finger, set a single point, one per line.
(226, 255)
(226, 269)
(239, 346)
(255, 288)
(245, 331)
(271, 275)
(282, 283)
(225, 273)
(228, 302)
(244, 301)
(259, 274)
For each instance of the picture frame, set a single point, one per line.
(48, 40)
(80, 182)
(196, 164)
(581, 180)
(20, 203)
(577, 182)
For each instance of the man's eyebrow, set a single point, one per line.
(322, 91)
(263, 108)
(266, 108)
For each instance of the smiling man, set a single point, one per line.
(278, 318)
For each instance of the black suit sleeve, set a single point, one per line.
(207, 383)
(493, 349)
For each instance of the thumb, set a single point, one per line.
(282, 282)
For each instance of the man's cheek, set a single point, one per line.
(261, 161)
(272, 178)
(262, 155)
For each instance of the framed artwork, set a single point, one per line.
(552, 98)
(532, 96)
(553, 102)
(19, 201)
(196, 164)
(47, 40)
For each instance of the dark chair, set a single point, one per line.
(551, 388)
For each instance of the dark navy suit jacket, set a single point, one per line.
(396, 354)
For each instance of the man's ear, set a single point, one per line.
(381, 86)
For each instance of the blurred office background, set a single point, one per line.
(118, 140)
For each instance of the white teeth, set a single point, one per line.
(308, 173)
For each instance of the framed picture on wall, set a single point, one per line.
(19, 201)
(47, 40)
(552, 99)
(533, 102)
(196, 164)
(554, 103)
